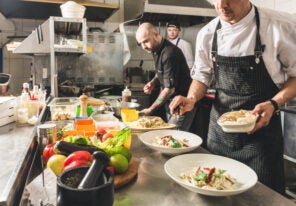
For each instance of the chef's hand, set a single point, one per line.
(265, 111)
(179, 105)
(149, 87)
(146, 111)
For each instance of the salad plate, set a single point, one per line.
(180, 141)
(242, 176)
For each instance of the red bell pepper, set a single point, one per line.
(48, 151)
(77, 159)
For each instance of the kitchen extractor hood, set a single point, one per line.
(189, 11)
(43, 9)
(7, 28)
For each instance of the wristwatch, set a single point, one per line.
(275, 105)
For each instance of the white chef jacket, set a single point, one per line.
(277, 33)
(186, 49)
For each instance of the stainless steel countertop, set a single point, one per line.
(153, 187)
(15, 148)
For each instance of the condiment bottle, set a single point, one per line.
(83, 105)
(126, 95)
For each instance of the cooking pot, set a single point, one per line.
(69, 194)
(70, 90)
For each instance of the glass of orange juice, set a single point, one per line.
(129, 115)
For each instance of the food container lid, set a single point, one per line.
(60, 101)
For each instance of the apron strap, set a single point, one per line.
(259, 48)
(177, 42)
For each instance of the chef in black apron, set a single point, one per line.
(243, 82)
(250, 84)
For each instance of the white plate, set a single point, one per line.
(237, 127)
(243, 174)
(148, 138)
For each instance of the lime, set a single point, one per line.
(79, 140)
(119, 163)
(119, 150)
(125, 152)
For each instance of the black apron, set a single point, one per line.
(241, 83)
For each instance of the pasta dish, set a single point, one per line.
(241, 116)
(209, 178)
(151, 122)
(170, 142)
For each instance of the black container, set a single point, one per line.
(68, 193)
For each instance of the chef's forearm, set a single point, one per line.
(287, 92)
(163, 97)
(196, 91)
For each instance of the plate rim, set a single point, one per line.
(166, 150)
(210, 192)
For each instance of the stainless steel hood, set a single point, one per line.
(186, 11)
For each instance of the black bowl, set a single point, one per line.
(68, 193)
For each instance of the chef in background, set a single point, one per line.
(250, 52)
(173, 30)
(171, 72)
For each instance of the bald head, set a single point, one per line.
(148, 37)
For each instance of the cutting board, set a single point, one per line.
(122, 179)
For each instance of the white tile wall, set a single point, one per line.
(281, 5)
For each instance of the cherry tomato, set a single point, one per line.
(48, 151)
(106, 136)
(101, 131)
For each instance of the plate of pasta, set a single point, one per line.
(171, 142)
(210, 175)
(148, 123)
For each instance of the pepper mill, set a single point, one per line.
(83, 105)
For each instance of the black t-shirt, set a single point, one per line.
(171, 68)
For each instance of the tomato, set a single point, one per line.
(48, 151)
(101, 132)
(107, 136)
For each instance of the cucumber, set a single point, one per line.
(66, 148)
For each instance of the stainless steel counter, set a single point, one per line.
(153, 187)
(17, 148)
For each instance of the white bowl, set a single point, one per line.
(193, 140)
(244, 124)
(243, 175)
(71, 9)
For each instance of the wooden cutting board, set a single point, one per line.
(122, 179)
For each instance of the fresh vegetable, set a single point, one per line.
(119, 150)
(66, 148)
(119, 163)
(56, 163)
(48, 151)
(77, 139)
(101, 132)
(77, 159)
(118, 139)
(107, 136)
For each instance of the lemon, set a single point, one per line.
(119, 163)
(56, 163)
